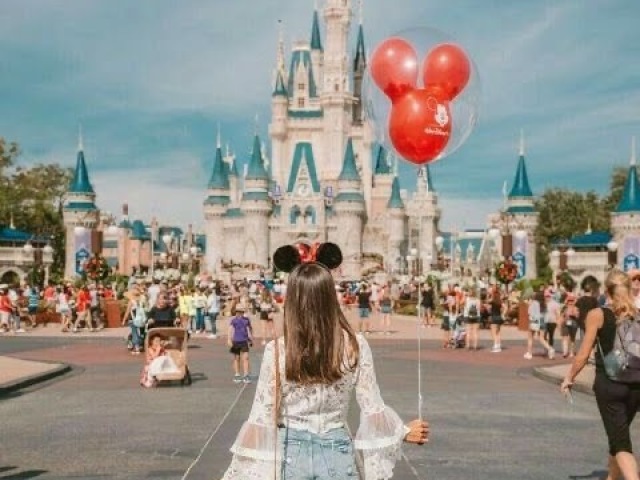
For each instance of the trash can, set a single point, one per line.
(112, 314)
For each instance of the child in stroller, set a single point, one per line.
(458, 332)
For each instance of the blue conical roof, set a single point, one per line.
(316, 43)
(395, 200)
(521, 186)
(360, 59)
(349, 168)
(630, 201)
(280, 90)
(382, 164)
(80, 182)
(256, 170)
(220, 173)
(138, 231)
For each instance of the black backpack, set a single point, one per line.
(473, 310)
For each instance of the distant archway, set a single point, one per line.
(11, 276)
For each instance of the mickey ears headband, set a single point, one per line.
(288, 257)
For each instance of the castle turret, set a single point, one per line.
(215, 207)
(278, 127)
(382, 180)
(397, 223)
(625, 221)
(316, 48)
(359, 67)
(522, 213)
(256, 209)
(350, 214)
(80, 216)
(424, 217)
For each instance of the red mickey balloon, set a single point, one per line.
(420, 124)
(394, 67)
(448, 67)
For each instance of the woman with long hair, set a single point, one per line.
(297, 427)
(537, 314)
(617, 402)
(569, 327)
(497, 312)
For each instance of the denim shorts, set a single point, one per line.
(308, 456)
(364, 312)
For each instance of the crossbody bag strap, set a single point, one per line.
(276, 412)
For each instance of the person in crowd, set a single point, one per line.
(267, 307)
(537, 312)
(449, 317)
(239, 340)
(136, 302)
(200, 306)
(569, 329)
(162, 314)
(14, 297)
(33, 302)
(364, 309)
(95, 309)
(83, 310)
(552, 315)
(634, 275)
(588, 301)
(153, 291)
(497, 312)
(617, 402)
(386, 309)
(304, 404)
(471, 313)
(63, 306)
(213, 310)
(427, 305)
(5, 309)
(184, 306)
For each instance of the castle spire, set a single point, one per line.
(80, 142)
(80, 182)
(395, 200)
(630, 201)
(521, 188)
(316, 43)
(220, 173)
(428, 181)
(255, 169)
(280, 57)
(382, 162)
(349, 168)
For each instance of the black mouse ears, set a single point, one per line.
(288, 257)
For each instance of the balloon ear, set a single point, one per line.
(286, 258)
(329, 255)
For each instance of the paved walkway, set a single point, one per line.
(16, 374)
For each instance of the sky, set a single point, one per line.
(149, 81)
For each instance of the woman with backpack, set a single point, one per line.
(618, 402)
(537, 314)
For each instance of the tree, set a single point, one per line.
(616, 187)
(563, 214)
(32, 197)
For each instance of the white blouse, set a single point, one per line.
(317, 409)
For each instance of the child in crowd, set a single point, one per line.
(240, 339)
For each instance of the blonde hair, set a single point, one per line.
(618, 288)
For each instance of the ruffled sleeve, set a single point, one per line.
(254, 449)
(381, 431)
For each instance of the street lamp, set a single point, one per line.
(612, 253)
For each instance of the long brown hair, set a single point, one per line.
(315, 329)
(621, 301)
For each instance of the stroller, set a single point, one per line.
(176, 349)
(458, 332)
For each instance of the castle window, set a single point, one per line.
(294, 214)
(301, 86)
(301, 103)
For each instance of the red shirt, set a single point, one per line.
(5, 304)
(82, 300)
(49, 293)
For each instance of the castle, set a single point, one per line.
(327, 179)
